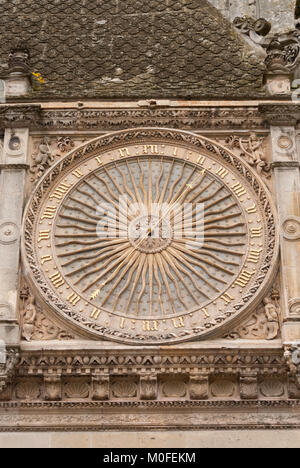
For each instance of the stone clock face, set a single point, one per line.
(150, 237)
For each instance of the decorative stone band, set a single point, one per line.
(162, 387)
(75, 387)
(186, 118)
(286, 164)
(15, 166)
(20, 116)
(149, 415)
(192, 118)
(287, 114)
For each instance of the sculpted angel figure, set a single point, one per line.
(272, 317)
(43, 159)
(29, 317)
(253, 151)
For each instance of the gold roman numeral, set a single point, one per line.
(206, 314)
(99, 160)
(124, 152)
(60, 191)
(222, 172)
(73, 299)
(179, 322)
(227, 298)
(46, 258)
(122, 323)
(44, 235)
(153, 149)
(77, 173)
(256, 232)
(254, 256)
(150, 325)
(201, 160)
(95, 314)
(244, 278)
(252, 209)
(49, 212)
(57, 280)
(239, 190)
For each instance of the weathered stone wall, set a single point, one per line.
(280, 13)
(176, 440)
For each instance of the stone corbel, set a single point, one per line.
(53, 388)
(148, 387)
(100, 387)
(248, 385)
(199, 386)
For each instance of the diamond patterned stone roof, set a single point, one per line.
(130, 49)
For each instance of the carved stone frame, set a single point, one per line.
(114, 140)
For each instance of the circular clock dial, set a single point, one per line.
(150, 237)
(162, 240)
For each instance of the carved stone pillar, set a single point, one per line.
(12, 183)
(248, 385)
(287, 189)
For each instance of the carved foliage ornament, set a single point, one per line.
(142, 278)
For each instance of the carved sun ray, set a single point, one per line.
(160, 269)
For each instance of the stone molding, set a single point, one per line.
(285, 114)
(193, 118)
(141, 375)
(185, 118)
(150, 416)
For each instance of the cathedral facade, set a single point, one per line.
(149, 219)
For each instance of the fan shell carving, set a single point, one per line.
(223, 388)
(124, 388)
(77, 389)
(174, 388)
(27, 391)
(272, 387)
